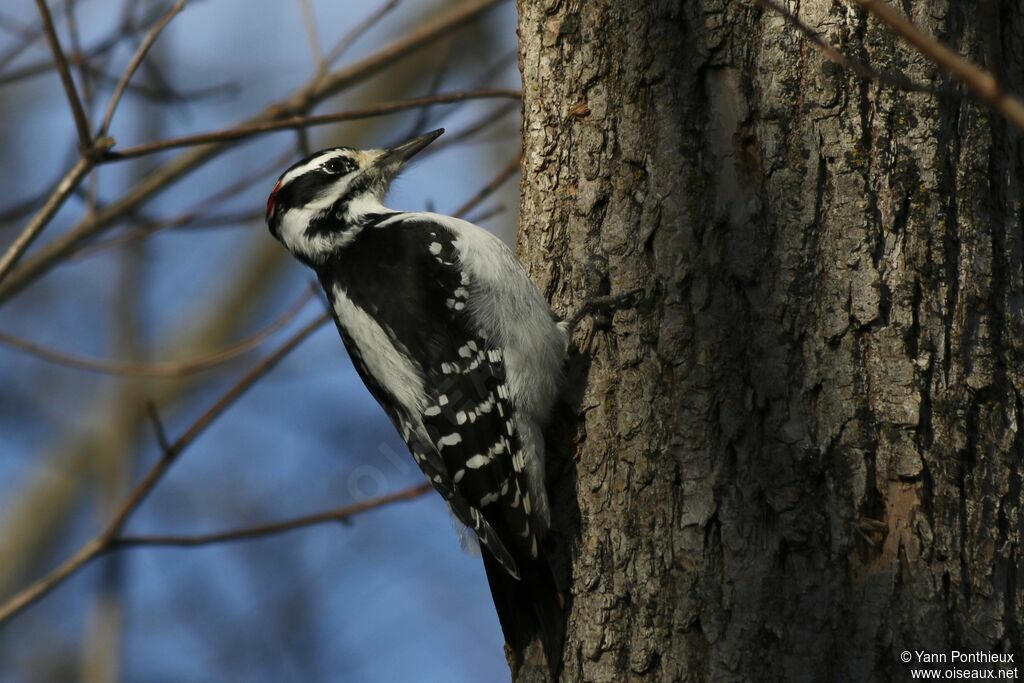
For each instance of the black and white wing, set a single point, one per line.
(436, 374)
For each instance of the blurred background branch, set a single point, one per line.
(253, 532)
(158, 296)
(165, 369)
(313, 92)
(102, 542)
(77, 111)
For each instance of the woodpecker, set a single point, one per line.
(458, 347)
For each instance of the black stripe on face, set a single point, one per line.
(330, 151)
(305, 188)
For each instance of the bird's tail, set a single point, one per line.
(530, 609)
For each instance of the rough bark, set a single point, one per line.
(800, 453)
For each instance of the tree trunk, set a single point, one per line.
(799, 454)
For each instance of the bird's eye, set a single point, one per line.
(338, 166)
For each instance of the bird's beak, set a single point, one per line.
(407, 150)
(391, 161)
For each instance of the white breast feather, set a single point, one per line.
(389, 367)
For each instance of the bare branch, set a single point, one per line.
(124, 31)
(105, 539)
(83, 556)
(161, 370)
(27, 34)
(133, 64)
(264, 530)
(162, 177)
(487, 190)
(90, 150)
(421, 36)
(205, 420)
(81, 120)
(195, 216)
(163, 92)
(43, 504)
(242, 132)
(49, 209)
(98, 546)
(979, 81)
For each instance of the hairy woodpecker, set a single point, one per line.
(451, 337)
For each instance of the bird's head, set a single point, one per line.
(318, 200)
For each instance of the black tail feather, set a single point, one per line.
(530, 609)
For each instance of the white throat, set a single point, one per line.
(295, 222)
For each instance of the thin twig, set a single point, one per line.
(90, 150)
(42, 505)
(81, 120)
(164, 370)
(979, 81)
(106, 538)
(264, 530)
(30, 595)
(53, 203)
(133, 65)
(98, 546)
(487, 190)
(242, 132)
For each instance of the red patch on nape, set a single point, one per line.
(272, 199)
